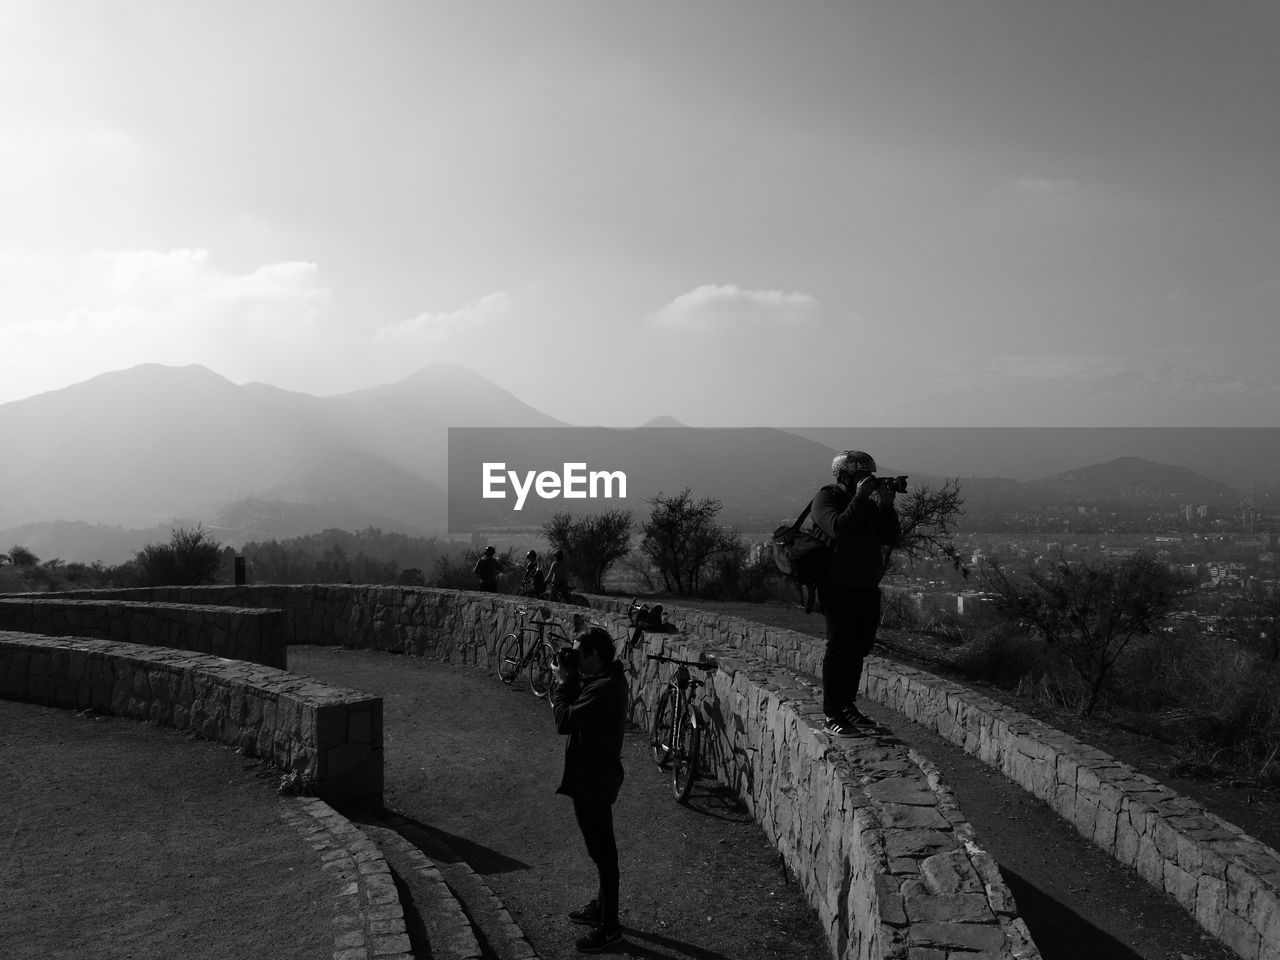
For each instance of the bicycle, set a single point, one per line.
(676, 734)
(539, 658)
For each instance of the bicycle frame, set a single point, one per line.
(535, 657)
(679, 745)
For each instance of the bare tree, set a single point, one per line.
(928, 516)
(681, 539)
(1090, 611)
(591, 543)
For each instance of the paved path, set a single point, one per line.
(476, 763)
(498, 812)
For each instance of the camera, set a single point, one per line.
(896, 484)
(567, 659)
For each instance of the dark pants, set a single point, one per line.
(595, 820)
(852, 616)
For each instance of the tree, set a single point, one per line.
(591, 543)
(1090, 611)
(928, 516)
(22, 557)
(682, 539)
(190, 557)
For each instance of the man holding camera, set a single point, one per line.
(857, 519)
(590, 705)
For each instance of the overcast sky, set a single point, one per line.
(950, 213)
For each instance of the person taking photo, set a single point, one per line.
(590, 708)
(857, 519)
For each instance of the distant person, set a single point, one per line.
(558, 578)
(534, 583)
(487, 570)
(590, 705)
(857, 519)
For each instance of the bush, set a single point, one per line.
(1008, 658)
(191, 557)
(591, 544)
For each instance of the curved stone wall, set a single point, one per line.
(237, 633)
(328, 736)
(871, 834)
(1228, 880)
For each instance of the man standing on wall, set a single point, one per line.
(857, 519)
(590, 705)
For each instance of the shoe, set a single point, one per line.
(839, 727)
(589, 914)
(600, 938)
(855, 717)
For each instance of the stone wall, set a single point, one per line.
(870, 832)
(1225, 878)
(327, 736)
(237, 633)
(1228, 880)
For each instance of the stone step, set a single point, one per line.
(434, 919)
(449, 885)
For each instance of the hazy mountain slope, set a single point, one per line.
(1236, 456)
(77, 541)
(1134, 478)
(139, 446)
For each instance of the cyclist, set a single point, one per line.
(590, 704)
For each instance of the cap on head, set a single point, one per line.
(491, 550)
(852, 461)
(531, 555)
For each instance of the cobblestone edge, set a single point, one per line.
(367, 916)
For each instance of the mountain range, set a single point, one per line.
(93, 470)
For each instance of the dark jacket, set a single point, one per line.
(593, 712)
(487, 570)
(857, 531)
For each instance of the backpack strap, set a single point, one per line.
(803, 513)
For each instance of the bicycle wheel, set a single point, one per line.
(660, 732)
(509, 658)
(684, 768)
(541, 664)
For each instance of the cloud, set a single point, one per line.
(437, 328)
(712, 307)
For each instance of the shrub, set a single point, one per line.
(191, 557)
(1090, 611)
(591, 544)
(1008, 658)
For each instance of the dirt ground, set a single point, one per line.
(701, 882)
(123, 840)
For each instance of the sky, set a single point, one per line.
(906, 213)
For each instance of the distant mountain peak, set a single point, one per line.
(663, 421)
